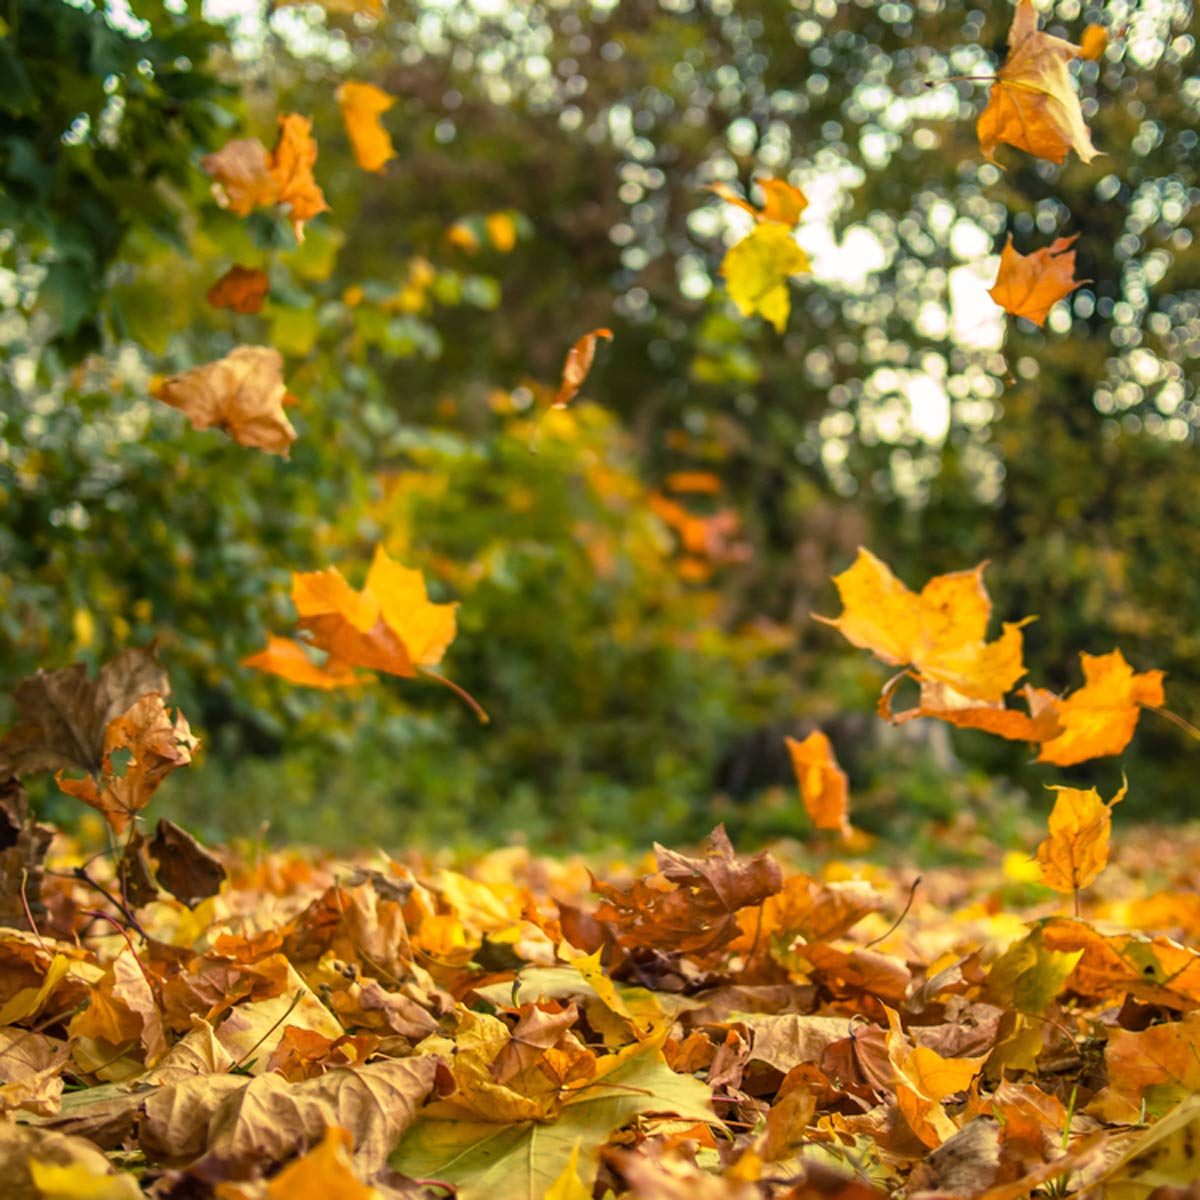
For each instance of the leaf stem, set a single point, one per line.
(1177, 720)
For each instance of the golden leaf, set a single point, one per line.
(823, 784)
(782, 204)
(1077, 849)
(1032, 104)
(241, 394)
(757, 269)
(241, 288)
(1030, 285)
(362, 105)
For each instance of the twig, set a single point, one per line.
(1177, 720)
(81, 874)
(283, 1017)
(37, 933)
(912, 893)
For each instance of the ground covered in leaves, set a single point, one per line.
(261, 1025)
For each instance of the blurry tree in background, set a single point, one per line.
(622, 627)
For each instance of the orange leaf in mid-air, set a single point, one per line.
(782, 203)
(390, 625)
(1077, 849)
(289, 660)
(944, 704)
(577, 365)
(362, 105)
(1099, 718)
(1030, 285)
(241, 288)
(157, 744)
(292, 162)
(824, 787)
(1032, 104)
(241, 394)
(940, 632)
(1093, 43)
(246, 177)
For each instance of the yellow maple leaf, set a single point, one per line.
(823, 784)
(1077, 849)
(757, 269)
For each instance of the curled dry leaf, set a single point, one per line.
(184, 867)
(246, 177)
(65, 715)
(242, 394)
(757, 269)
(577, 365)
(157, 744)
(241, 288)
(1032, 104)
(782, 202)
(1030, 285)
(940, 631)
(362, 105)
(823, 785)
(1080, 829)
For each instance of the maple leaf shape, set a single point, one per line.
(940, 631)
(241, 288)
(757, 269)
(577, 365)
(362, 105)
(782, 205)
(1030, 285)
(823, 784)
(1099, 718)
(1077, 849)
(1032, 104)
(157, 745)
(242, 394)
(391, 625)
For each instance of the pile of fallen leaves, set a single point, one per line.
(279, 1025)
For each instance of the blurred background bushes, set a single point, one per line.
(636, 574)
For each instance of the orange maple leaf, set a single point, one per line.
(157, 744)
(241, 288)
(362, 105)
(940, 632)
(389, 625)
(577, 365)
(1030, 285)
(241, 394)
(823, 785)
(782, 204)
(1080, 829)
(1099, 718)
(1032, 104)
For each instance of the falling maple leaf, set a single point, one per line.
(241, 288)
(1099, 718)
(242, 394)
(362, 105)
(1032, 104)
(156, 743)
(940, 632)
(1077, 849)
(1093, 43)
(1030, 285)
(391, 625)
(823, 784)
(782, 205)
(757, 269)
(246, 177)
(577, 365)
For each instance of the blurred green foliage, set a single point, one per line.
(617, 664)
